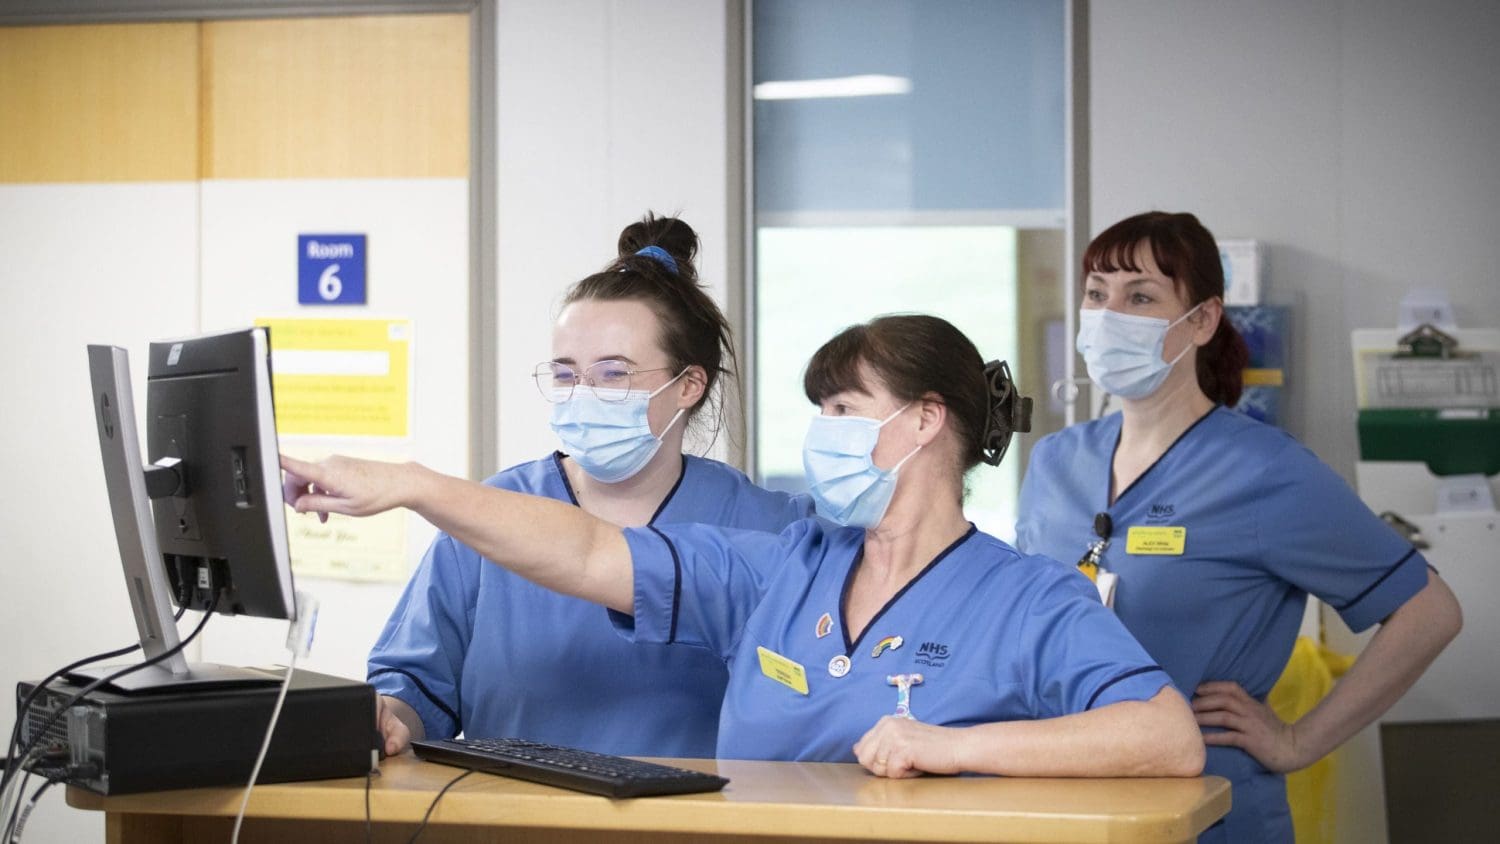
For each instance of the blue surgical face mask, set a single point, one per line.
(1124, 352)
(610, 440)
(845, 483)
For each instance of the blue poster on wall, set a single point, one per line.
(330, 269)
(1266, 329)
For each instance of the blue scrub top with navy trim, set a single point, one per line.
(996, 636)
(1267, 523)
(477, 650)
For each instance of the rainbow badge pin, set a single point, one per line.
(889, 643)
(825, 625)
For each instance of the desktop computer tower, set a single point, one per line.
(124, 744)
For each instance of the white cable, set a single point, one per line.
(299, 639)
(264, 746)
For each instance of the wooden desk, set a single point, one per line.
(764, 802)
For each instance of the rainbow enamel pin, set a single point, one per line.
(825, 625)
(889, 643)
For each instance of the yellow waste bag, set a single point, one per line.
(1307, 679)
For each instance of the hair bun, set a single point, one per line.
(669, 234)
(1009, 412)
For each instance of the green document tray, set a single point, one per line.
(1462, 441)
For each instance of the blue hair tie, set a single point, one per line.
(660, 256)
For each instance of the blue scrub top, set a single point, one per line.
(477, 650)
(996, 636)
(1267, 523)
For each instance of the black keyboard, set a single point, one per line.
(567, 767)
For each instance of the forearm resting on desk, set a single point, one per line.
(1154, 738)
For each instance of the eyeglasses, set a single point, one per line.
(610, 380)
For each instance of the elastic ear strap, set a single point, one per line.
(1009, 412)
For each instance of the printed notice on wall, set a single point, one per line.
(372, 548)
(341, 377)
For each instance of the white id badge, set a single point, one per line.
(1106, 583)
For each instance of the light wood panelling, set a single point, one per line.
(106, 103)
(353, 97)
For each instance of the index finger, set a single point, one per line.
(300, 468)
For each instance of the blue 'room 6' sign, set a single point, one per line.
(330, 269)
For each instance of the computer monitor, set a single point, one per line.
(214, 481)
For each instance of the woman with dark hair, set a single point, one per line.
(901, 636)
(1208, 530)
(637, 352)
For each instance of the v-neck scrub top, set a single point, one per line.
(996, 636)
(1266, 524)
(475, 649)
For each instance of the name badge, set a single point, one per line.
(782, 670)
(1160, 541)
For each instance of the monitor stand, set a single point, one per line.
(153, 679)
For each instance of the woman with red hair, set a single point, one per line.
(1207, 530)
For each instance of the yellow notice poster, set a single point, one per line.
(341, 377)
(372, 548)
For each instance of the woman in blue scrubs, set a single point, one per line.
(471, 648)
(1217, 527)
(895, 634)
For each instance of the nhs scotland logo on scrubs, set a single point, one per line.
(933, 654)
(1160, 513)
(330, 269)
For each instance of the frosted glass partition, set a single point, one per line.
(902, 105)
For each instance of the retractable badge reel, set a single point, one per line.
(1089, 563)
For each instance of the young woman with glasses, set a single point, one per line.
(637, 354)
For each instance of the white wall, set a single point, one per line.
(1358, 139)
(607, 108)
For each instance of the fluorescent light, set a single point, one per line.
(865, 85)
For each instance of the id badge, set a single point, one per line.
(784, 671)
(1156, 541)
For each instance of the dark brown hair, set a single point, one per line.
(916, 356)
(693, 329)
(1187, 253)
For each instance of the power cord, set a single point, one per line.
(433, 804)
(369, 822)
(25, 705)
(299, 638)
(26, 813)
(265, 745)
(26, 751)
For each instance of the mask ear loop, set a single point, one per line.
(675, 417)
(1182, 354)
(680, 410)
(902, 461)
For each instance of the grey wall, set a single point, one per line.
(1357, 139)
